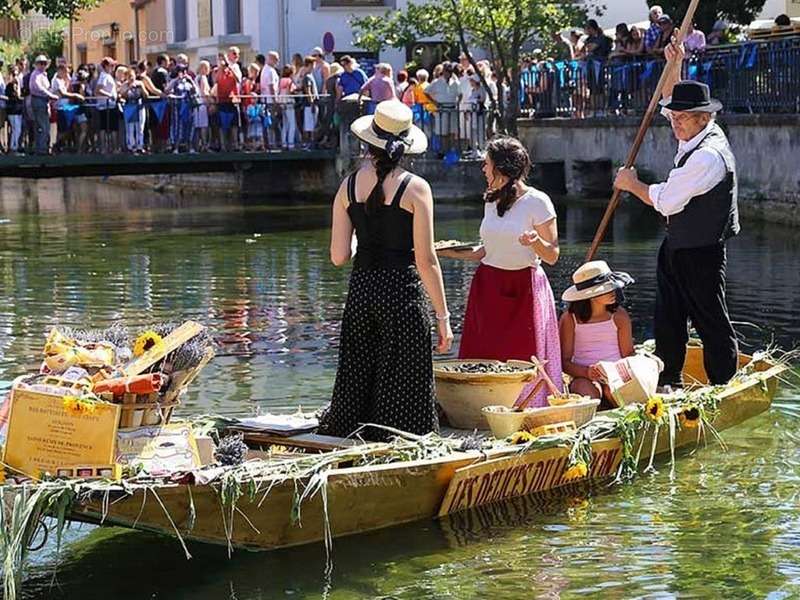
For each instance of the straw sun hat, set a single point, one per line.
(391, 127)
(595, 279)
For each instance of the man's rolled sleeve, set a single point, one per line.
(704, 169)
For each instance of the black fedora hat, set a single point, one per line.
(692, 96)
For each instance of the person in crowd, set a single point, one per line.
(420, 95)
(562, 48)
(511, 312)
(476, 138)
(667, 33)
(695, 41)
(268, 86)
(13, 99)
(60, 86)
(321, 70)
(152, 92)
(464, 100)
(159, 127)
(204, 99)
(408, 95)
(80, 122)
(3, 118)
(598, 47)
(402, 83)
(108, 115)
(385, 371)
(328, 136)
(576, 43)
(353, 78)
(132, 91)
(719, 33)
(594, 328)
(380, 86)
(41, 96)
(621, 41)
(286, 90)
(182, 94)
(444, 91)
(235, 66)
(653, 33)
(251, 110)
(310, 95)
(598, 44)
(635, 45)
(182, 60)
(226, 87)
(699, 200)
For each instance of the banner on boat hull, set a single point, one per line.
(524, 474)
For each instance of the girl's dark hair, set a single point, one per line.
(287, 71)
(510, 158)
(384, 163)
(582, 309)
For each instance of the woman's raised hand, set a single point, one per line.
(529, 238)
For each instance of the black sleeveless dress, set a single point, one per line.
(385, 373)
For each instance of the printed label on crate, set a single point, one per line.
(159, 449)
(43, 435)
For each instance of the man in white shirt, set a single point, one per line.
(268, 86)
(40, 103)
(699, 201)
(106, 91)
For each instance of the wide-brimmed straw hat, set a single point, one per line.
(393, 121)
(692, 96)
(595, 279)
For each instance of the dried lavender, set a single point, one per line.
(231, 450)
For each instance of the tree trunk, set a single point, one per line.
(515, 84)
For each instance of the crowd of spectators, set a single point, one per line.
(588, 65)
(267, 105)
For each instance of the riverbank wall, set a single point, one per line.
(588, 151)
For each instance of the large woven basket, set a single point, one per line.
(462, 396)
(503, 422)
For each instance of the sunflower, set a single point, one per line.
(147, 341)
(654, 408)
(690, 417)
(71, 404)
(576, 471)
(521, 437)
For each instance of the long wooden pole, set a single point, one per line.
(637, 142)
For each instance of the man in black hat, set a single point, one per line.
(699, 201)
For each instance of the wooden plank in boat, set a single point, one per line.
(171, 343)
(311, 441)
(523, 474)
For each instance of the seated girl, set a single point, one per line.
(594, 328)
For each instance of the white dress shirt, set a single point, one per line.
(702, 172)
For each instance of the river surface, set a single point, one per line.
(88, 254)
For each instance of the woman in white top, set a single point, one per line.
(511, 312)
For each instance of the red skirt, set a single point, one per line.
(499, 323)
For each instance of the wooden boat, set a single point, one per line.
(359, 499)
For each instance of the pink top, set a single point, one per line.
(285, 86)
(595, 342)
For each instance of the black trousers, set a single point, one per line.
(691, 285)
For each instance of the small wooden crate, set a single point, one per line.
(143, 410)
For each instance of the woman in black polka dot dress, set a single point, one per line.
(385, 373)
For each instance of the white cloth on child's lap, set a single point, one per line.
(500, 235)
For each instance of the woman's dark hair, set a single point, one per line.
(582, 309)
(511, 159)
(385, 161)
(287, 71)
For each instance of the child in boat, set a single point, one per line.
(594, 328)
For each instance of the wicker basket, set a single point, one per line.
(504, 421)
(462, 396)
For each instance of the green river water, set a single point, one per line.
(83, 253)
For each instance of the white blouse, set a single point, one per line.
(500, 235)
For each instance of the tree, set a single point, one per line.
(55, 9)
(500, 27)
(742, 12)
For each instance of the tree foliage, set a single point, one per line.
(55, 9)
(500, 27)
(709, 11)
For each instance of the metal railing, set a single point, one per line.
(751, 77)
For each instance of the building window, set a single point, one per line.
(179, 20)
(82, 54)
(205, 18)
(130, 49)
(233, 16)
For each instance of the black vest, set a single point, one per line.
(713, 217)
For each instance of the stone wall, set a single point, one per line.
(767, 149)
